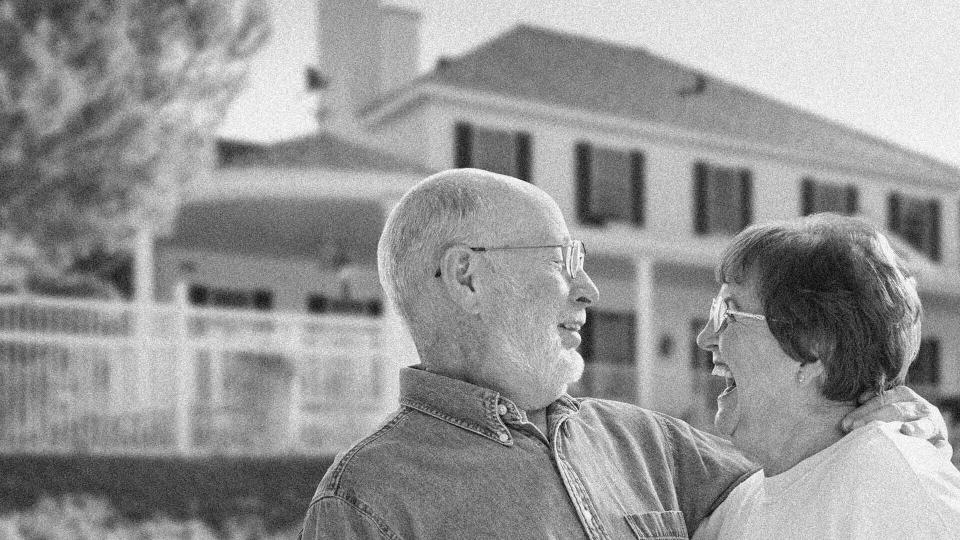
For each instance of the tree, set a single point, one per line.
(107, 107)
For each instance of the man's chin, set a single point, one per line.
(573, 363)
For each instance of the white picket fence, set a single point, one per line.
(125, 378)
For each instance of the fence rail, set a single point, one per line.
(116, 377)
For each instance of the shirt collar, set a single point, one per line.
(468, 406)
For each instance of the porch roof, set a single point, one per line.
(331, 231)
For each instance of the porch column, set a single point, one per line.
(185, 370)
(143, 265)
(396, 345)
(645, 353)
(397, 351)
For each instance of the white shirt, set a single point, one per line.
(873, 483)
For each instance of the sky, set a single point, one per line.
(888, 68)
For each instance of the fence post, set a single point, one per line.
(143, 270)
(185, 373)
(296, 412)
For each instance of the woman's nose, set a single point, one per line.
(707, 338)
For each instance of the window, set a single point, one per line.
(609, 354)
(817, 196)
(723, 198)
(320, 303)
(610, 185)
(201, 295)
(925, 370)
(917, 221)
(504, 152)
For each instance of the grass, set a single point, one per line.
(163, 497)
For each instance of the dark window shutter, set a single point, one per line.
(700, 197)
(746, 198)
(933, 217)
(198, 295)
(637, 188)
(586, 331)
(523, 157)
(463, 151)
(807, 188)
(853, 200)
(925, 369)
(262, 300)
(893, 212)
(583, 182)
(934, 362)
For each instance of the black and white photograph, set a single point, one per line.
(513, 269)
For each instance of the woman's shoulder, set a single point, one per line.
(882, 443)
(878, 455)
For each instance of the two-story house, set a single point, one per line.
(654, 164)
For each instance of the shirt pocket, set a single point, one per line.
(667, 525)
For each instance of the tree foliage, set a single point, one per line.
(106, 108)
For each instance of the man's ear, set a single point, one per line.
(457, 269)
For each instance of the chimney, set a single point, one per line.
(349, 46)
(365, 49)
(400, 43)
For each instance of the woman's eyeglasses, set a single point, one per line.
(721, 315)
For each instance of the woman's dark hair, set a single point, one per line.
(833, 290)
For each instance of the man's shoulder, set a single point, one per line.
(406, 445)
(367, 459)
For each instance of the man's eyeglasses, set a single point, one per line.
(721, 315)
(574, 252)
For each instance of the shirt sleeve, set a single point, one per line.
(706, 469)
(338, 518)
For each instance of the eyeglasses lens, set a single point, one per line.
(718, 314)
(574, 254)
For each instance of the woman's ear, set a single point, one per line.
(458, 266)
(811, 373)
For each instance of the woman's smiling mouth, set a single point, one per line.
(722, 370)
(726, 419)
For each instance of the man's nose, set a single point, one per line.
(584, 290)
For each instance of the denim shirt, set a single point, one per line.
(460, 461)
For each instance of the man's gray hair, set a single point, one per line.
(439, 211)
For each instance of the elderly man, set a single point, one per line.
(486, 443)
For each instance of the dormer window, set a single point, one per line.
(494, 150)
(817, 196)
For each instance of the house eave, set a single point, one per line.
(417, 95)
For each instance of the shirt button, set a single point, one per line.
(504, 437)
(587, 516)
(502, 409)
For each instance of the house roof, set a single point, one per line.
(321, 149)
(555, 68)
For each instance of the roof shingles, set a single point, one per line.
(554, 68)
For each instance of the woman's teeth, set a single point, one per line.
(721, 370)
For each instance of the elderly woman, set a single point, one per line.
(811, 314)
